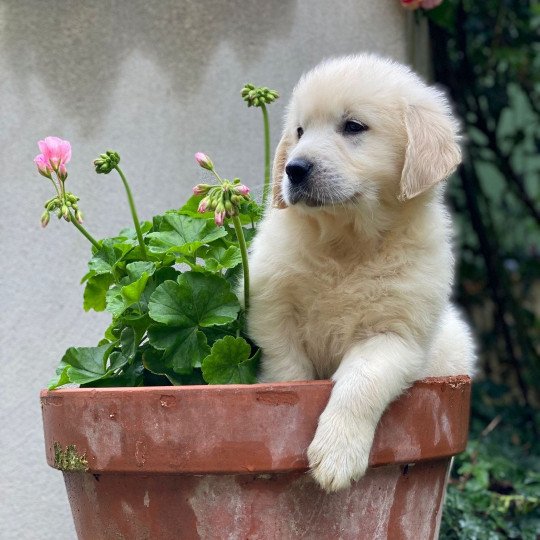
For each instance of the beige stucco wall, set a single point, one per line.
(156, 81)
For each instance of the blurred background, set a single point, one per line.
(487, 55)
(158, 81)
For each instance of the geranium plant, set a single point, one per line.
(169, 283)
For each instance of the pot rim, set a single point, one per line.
(180, 429)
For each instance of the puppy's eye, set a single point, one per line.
(352, 128)
(299, 132)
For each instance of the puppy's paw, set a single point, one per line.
(339, 452)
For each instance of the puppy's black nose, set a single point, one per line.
(298, 170)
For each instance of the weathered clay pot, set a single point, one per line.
(230, 462)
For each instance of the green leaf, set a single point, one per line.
(87, 364)
(95, 292)
(121, 297)
(129, 234)
(250, 211)
(214, 333)
(131, 375)
(107, 256)
(194, 300)
(229, 363)
(87, 276)
(61, 377)
(115, 302)
(136, 269)
(190, 208)
(153, 362)
(103, 260)
(167, 273)
(183, 308)
(218, 258)
(116, 361)
(129, 342)
(132, 292)
(183, 234)
(184, 348)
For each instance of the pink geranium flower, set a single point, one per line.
(43, 165)
(56, 152)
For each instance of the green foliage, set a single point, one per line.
(494, 493)
(171, 313)
(487, 55)
(84, 365)
(229, 362)
(183, 235)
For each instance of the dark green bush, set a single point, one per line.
(487, 55)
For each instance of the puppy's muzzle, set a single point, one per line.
(298, 171)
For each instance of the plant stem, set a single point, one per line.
(219, 179)
(266, 188)
(133, 212)
(55, 187)
(83, 231)
(243, 250)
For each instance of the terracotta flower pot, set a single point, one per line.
(230, 462)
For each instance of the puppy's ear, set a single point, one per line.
(432, 152)
(278, 171)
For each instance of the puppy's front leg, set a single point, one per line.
(371, 375)
(271, 325)
(291, 364)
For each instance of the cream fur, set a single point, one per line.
(357, 287)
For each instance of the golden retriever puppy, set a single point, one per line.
(352, 267)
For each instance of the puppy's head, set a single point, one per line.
(361, 130)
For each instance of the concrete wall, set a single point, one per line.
(156, 81)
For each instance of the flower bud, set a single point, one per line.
(204, 161)
(52, 205)
(213, 198)
(65, 211)
(79, 216)
(241, 190)
(229, 207)
(45, 218)
(201, 189)
(219, 218)
(62, 172)
(258, 96)
(106, 162)
(203, 205)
